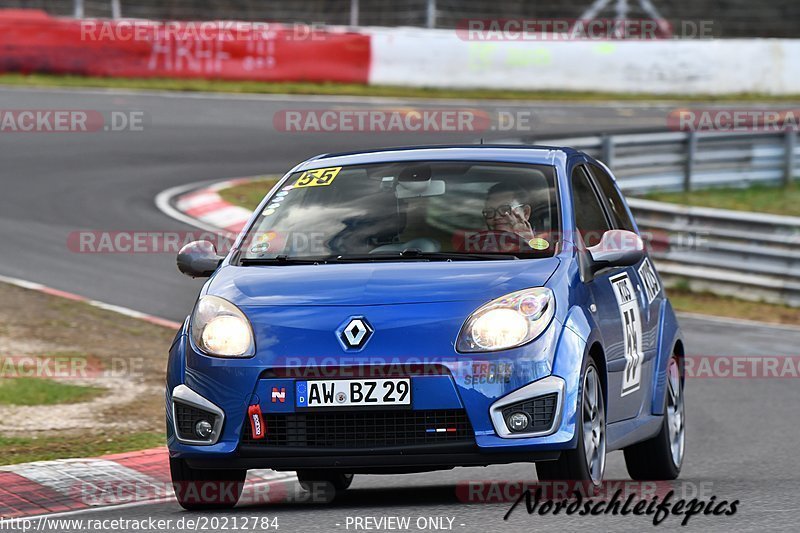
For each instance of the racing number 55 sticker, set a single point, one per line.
(317, 177)
(631, 331)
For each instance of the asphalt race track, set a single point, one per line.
(741, 442)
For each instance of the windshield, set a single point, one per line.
(423, 210)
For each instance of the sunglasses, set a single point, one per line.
(501, 210)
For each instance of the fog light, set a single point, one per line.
(204, 429)
(517, 421)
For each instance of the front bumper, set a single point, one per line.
(224, 383)
(383, 461)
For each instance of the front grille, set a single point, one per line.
(541, 409)
(363, 429)
(186, 417)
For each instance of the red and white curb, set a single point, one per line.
(202, 206)
(134, 478)
(94, 303)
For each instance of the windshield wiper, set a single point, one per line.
(281, 260)
(412, 254)
(418, 255)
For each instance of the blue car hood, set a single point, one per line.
(378, 283)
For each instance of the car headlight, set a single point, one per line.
(220, 328)
(507, 322)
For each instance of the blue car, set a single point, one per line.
(417, 309)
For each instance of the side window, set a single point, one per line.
(618, 213)
(590, 219)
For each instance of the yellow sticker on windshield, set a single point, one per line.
(317, 177)
(538, 244)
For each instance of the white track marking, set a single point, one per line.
(25, 284)
(350, 99)
(742, 321)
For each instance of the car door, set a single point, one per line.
(615, 305)
(647, 284)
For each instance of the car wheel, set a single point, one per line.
(587, 462)
(324, 483)
(662, 456)
(198, 489)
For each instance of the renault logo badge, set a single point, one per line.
(355, 333)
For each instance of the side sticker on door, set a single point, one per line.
(631, 332)
(649, 280)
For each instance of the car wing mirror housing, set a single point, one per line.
(198, 259)
(617, 248)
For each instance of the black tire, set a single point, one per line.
(324, 484)
(573, 464)
(653, 459)
(205, 489)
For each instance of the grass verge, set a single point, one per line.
(23, 450)
(344, 89)
(41, 391)
(758, 198)
(102, 397)
(248, 194)
(710, 304)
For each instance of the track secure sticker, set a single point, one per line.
(317, 177)
(631, 332)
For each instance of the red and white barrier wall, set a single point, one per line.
(446, 58)
(31, 41)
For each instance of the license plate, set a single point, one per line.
(354, 393)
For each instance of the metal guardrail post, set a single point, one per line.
(607, 150)
(790, 141)
(430, 15)
(354, 12)
(688, 169)
(78, 9)
(116, 9)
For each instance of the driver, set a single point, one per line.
(507, 209)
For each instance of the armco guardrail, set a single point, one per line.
(750, 255)
(649, 160)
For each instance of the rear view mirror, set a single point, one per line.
(419, 189)
(617, 248)
(416, 182)
(198, 259)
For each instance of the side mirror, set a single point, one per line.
(617, 248)
(198, 259)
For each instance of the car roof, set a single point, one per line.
(512, 153)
